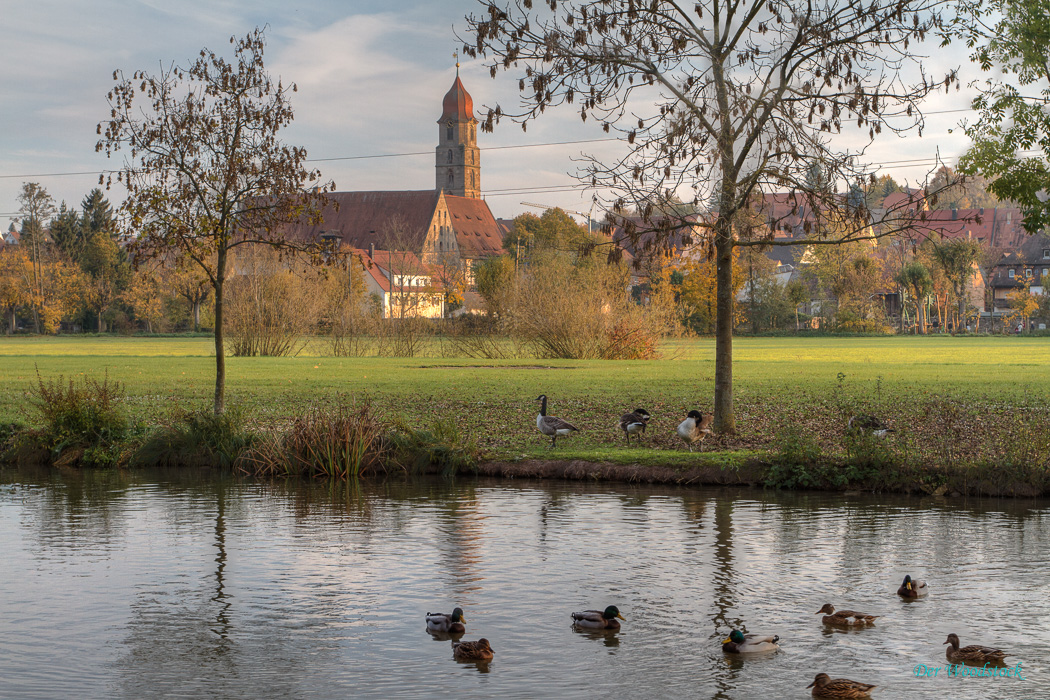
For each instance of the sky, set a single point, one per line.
(371, 76)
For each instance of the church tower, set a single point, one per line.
(458, 158)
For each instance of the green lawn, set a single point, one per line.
(938, 384)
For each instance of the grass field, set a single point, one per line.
(942, 393)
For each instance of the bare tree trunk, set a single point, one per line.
(13, 323)
(220, 350)
(725, 418)
(196, 316)
(100, 320)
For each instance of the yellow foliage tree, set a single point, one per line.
(700, 293)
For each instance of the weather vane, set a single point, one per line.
(455, 54)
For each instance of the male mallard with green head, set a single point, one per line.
(472, 651)
(845, 618)
(826, 687)
(607, 619)
(973, 654)
(912, 589)
(739, 643)
(452, 624)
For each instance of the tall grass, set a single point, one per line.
(341, 443)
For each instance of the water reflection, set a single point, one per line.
(204, 586)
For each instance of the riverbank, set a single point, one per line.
(970, 415)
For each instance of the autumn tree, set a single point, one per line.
(204, 166)
(36, 207)
(187, 281)
(721, 99)
(553, 230)
(15, 283)
(495, 281)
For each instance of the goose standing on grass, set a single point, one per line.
(973, 654)
(549, 425)
(912, 589)
(739, 643)
(634, 422)
(825, 687)
(864, 423)
(695, 428)
(845, 618)
(452, 624)
(607, 619)
(472, 651)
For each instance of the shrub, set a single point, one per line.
(796, 460)
(81, 423)
(197, 439)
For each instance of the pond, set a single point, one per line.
(195, 586)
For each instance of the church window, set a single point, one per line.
(450, 157)
(449, 135)
(472, 179)
(451, 178)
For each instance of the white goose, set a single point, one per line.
(695, 428)
(549, 425)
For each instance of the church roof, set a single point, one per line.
(401, 219)
(373, 218)
(457, 104)
(477, 232)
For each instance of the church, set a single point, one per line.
(448, 224)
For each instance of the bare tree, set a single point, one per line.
(719, 100)
(205, 169)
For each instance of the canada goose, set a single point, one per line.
(739, 643)
(864, 423)
(974, 654)
(913, 589)
(695, 428)
(844, 618)
(440, 622)
(825, 687)
(472, 651)
(598, 619)
(549, 425)
(634, 422)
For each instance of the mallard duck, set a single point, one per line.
(739, 643)
(695, 428)
(825, 687)
(549, 425)
(472, 651)
(912, 589)
(973, 654)
(844, 618)
(607, 619)
(440, 622)
(634, 422)
(864, 423)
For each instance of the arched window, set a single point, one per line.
(449, 134)
(450, 157)
(451, 178)
(472, 179)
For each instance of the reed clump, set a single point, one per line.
(340, 443)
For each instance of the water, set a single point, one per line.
(192, 587)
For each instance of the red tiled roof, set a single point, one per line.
(457, 103)
(365, 219)
(477, 233)
(999, 227)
